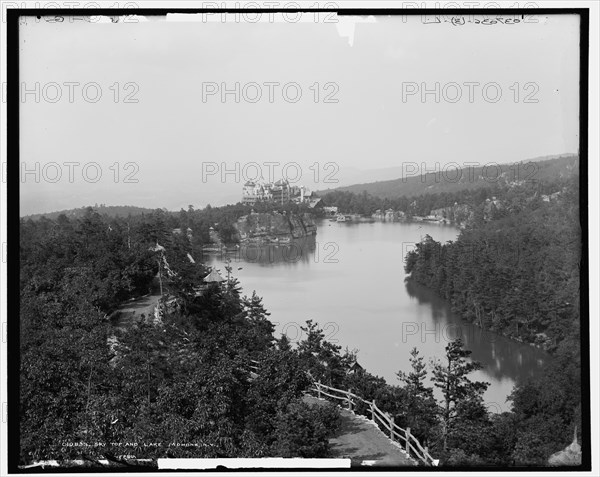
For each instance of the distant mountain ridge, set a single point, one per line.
(110, 210)
(446, 179)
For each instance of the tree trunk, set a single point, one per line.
(87, 403)
(447, 410)
(148, 373)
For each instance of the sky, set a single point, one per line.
(132, 113)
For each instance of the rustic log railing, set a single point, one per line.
(403, 436)
(254, 365)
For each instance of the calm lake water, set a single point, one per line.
(350, 279)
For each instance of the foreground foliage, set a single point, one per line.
(184, 387)
(180, 387)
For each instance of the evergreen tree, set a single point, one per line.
(420, 407)
(460, 394)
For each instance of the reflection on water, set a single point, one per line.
(284, 254)
(500, 356)
(350, 279)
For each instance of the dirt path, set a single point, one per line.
(129, 311)
(360, 440)
(133, 309)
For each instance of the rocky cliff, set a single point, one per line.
(272, 227)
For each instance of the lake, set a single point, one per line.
(350, 279)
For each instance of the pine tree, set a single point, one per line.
(421, 408)
(458, 391)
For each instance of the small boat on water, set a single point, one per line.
(341, 218)
(285, 240)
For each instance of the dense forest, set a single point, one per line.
(180, 387)
(517, 272)
(183, 386)
(221, 219)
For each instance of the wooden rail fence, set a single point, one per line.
(254, 365)
(396, 433)
(403, 436)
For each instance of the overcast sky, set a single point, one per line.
(172, 129)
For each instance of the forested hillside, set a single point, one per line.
(417, 180)
(518, 273)
(222, 219)
(179, 387)
(110, 210)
